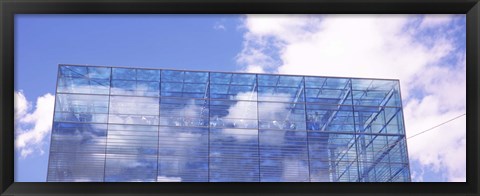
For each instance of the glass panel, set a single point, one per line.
(315, 82)
(78, 138)
(148, 88)
(327, 96)
(134, 110)
(184, 112)
(377, 150)
(395, 125)
(375, 119)
(171, 87)
(370, 122)
(196, 77)
(148, 75)
(70, 167)
(328, 155)
(172, 76)
(182, 169)
(383, 172)
(83, 85)
(233, 114)
(268, 80)
(372, 84)
(73, 71)
(139, 88)
(83, 79)
(123, 87)
(81, 103)
(81, 108)
(375, 92)
(132, 139)
(183, 154)
(134, 105)
(290, 81)
(99, 72)
(337, 118)
(280, 94)
(72, 117)
(336, 83)
(186, 90)
(233, 86)
(234, 155)
(133, 119)
(124, 74)
(130, 168)
(233, 92)
(283, 156)
(220, 78)
(288, 116)
(401, 173)
(243, 79)
(285, 88)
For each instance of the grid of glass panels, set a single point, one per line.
(116, 124)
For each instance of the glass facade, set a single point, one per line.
(116, 124)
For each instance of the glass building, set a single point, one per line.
(154, 125)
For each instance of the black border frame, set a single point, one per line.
(8, 8)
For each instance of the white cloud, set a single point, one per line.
(377, 46)
(21, 105)
(219, 27)
(294, 170)
(168, 179)
(435, 20)
(82, 179)
(32, 128)
(247, 109)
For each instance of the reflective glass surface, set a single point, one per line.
(115, 124)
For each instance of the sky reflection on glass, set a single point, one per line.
(133, 125)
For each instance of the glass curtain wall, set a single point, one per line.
(149, 125)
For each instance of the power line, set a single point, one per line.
(436, 126)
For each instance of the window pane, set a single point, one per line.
(78, 138)
(172, 76)
(234, 155)
(196, 77)
(123, 74)
(183, 154)
(134, 105)
(83, 85)
(81, 103)
(284, 156)
(99, 72)
(70, 167)
(184, 112)
(130, 168)
(148, 75)
(132, 139)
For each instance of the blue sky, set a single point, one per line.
(416, 49)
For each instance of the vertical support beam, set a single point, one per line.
(208, 124)
(306, 128)
(258, 134)
(159, 121)
(108, 119)
(340, 103)
(297, 96)
(354, 130)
